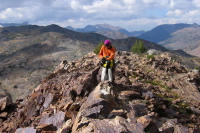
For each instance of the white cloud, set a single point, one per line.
(10, 13)
(75, 5)
(171, 3)
(61, 3)
(193, 13)
(176, 12)
(196, 3)
(71, 20)
(148, 1)
(182, 4)
(130, 14)
(83, 20)
(105, 6)
(146, 24)
(129, 2)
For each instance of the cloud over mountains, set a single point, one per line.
(129, 14)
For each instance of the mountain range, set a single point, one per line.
(172, 36)
(162, 32)
(177, 36)
(28, 53)
(13, 24)
(106, 27)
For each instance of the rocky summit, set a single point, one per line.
(149, 94)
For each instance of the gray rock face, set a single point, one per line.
(26, 130)
(152, 52)
(56, 120)
(5, 102)
(94, 113)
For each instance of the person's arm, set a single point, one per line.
(101, 53)
(112, 54)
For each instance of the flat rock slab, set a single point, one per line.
(57, 120)
(26, 130)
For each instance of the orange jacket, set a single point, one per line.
(110, 53)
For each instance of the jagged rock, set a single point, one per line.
(166, 125)
(116, 125)
(48, 100)
(66, 127)
(129, 95)
(122, 80)
(61, 67)
(196, 72)
(116, 112)
(5, 102)
(171, 113)
(170, 125)
(57, 120)
(26, 130)
(195, 110)
(144, 120)
(3, 114)
(152, 52)
(98, 104)
(136, 110)
(30, 109)
(147, 95)
(47, 127)
(180, 129)
(149, 87)
(141, 99)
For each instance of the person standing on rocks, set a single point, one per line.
(107, 54)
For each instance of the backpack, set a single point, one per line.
(108, 63)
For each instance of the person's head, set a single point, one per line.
(108, 43)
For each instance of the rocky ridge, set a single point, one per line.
(155, 94)
(29, 53)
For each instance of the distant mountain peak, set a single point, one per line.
(104, 28)
(13, 24)
(162, 32)
(175, 36)
(109, 26)
(70, 28)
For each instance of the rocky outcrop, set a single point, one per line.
(148, 95)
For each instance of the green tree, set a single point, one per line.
(138, 47)
(98, 48)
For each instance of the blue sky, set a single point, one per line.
(132, 15)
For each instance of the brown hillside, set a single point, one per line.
(195, 52)
(113, 34)
(26, 60)
(186, 39)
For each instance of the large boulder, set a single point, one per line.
(5, 102)
(95, 114)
